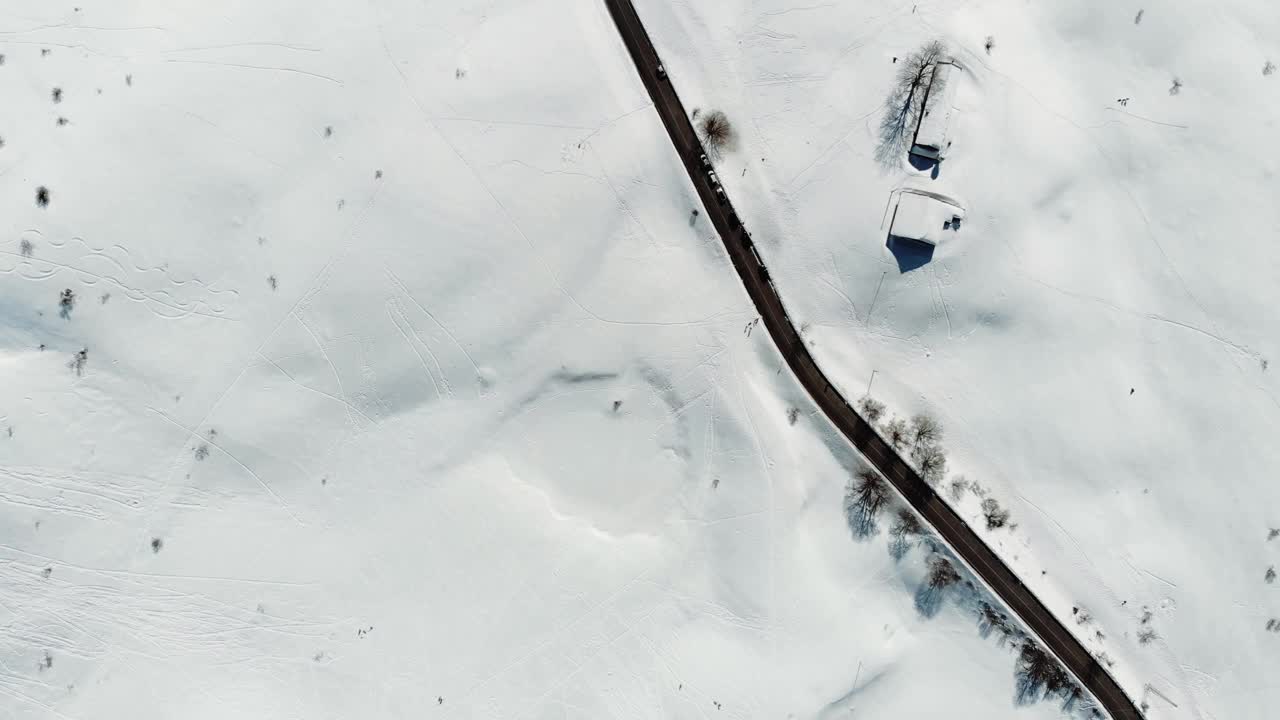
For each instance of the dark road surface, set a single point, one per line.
(966, 544)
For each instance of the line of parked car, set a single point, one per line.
(721, 198)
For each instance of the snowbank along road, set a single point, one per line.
(755, 276)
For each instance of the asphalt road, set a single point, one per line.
(964, 542)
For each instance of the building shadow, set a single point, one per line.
(910, 254)
(924, 164)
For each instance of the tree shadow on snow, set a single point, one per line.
(860, 512)
(928, 600)
(1037, 674)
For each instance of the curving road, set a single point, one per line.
(964, 542)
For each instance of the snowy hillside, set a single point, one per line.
(1095, 337)
(365, 360)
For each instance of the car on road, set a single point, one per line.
(705, 162)
(662, 71)
(711, 177)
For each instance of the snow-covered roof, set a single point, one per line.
(932, 130)
(922, 217)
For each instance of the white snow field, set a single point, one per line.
(410, 389)
(1096, 337)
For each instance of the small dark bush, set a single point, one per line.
(997, 517)
(718, 134)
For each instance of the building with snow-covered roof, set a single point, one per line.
(932, 138)
(924, 218)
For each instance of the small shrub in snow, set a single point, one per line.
(992, 620)
(25, 248)
(997, 517)
(718, 134)
(931, 461)
(925, 430)
(896, 433)
(957, 487)
(66, 303)
(79, 361)
(1082, 616)
(872, 410)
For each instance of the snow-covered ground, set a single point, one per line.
(409, 389)
(1096, 336)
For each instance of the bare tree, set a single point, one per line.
(863, 501)
(942, 575)
(66, 303)
(931, 461)
(1040, 675)
(906, 527)
(718, 134)
(925, 430)
(907, 101)
(78, 361)
(896, 433)
(997, 517)
(25, 248)
(992, 620)
(958, 486)
(871, 409)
